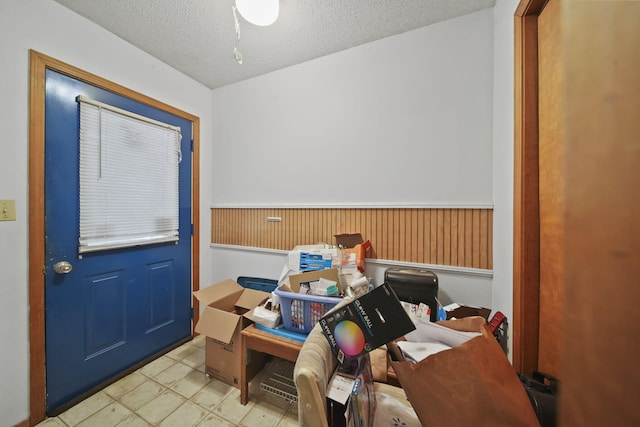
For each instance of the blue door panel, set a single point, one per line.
(105, 305)
(116, 307)
(161, 287)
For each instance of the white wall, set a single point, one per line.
(503, 161)
(403, 121)
(49, 28)
(406, 120)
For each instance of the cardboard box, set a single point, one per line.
(348, 240)
(221, 322)
(313, 257)
(309, 258)
(366, 323)
(353, 250)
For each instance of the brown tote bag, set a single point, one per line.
(472, 384)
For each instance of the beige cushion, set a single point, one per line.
(312, 372)
(314, 368)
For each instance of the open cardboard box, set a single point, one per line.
(221, 322)
(348, 240)
(353, 252)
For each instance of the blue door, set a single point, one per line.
(113, 308)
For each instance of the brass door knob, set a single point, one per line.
(62, 267)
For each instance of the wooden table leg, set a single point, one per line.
(244, 381)
(264, 342)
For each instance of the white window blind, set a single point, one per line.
(128, 178)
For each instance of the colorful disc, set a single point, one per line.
(349, 337)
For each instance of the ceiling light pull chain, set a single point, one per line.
(236, 52)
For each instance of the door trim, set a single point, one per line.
(526, 232)
(39, 63)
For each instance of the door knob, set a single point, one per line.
(62, 267)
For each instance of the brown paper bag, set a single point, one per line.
(472, 384)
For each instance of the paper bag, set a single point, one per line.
(472, 384)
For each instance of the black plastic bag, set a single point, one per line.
(542, 390)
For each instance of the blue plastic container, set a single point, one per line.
(282, 332)
(258, 283)
(301, 312)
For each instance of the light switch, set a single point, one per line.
(7, 210)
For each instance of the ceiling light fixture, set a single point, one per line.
(236, 51)
(259, 12)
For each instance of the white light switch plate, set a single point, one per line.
(7, 210)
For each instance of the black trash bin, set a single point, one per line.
(414, 285)
(542, 390)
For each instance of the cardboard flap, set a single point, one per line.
(310, 276)
(349, 240)
(251, 298)
(462, 311)
(217, 324)
(211, 294)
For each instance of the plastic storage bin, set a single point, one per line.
(414, 285)
(301, 312)
(257, 283)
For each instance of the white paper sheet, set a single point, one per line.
(416, 351)
(432, 332)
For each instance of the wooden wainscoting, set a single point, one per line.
(452, 237)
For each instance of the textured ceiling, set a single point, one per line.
(197, 37)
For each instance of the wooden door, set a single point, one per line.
(601, 325)
(537, 149)
(551, 185)
(597, 264)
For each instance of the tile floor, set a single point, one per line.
(173, 391)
